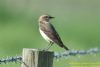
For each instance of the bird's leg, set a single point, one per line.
(50, 44)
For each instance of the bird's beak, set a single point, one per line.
(51, 17)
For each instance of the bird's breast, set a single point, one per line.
(44, 36)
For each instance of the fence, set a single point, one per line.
(35, 58)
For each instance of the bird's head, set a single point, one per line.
(45, 18)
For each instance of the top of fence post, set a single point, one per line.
(37, 58)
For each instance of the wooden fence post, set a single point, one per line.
(36, 58)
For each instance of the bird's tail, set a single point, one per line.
(63, 46)
(66, 48)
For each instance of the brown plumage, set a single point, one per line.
(48, 31)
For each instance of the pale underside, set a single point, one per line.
(45, 36)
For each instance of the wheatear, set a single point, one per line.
(48, 31)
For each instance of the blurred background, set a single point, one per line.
(77, 22)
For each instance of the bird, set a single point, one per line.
(49, 33)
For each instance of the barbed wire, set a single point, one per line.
(11, 59)
(57, 55)
(76, 52)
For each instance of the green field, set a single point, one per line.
(76, 21)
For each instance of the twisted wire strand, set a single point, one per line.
(76, 52)
(11, 59)
(57, 55)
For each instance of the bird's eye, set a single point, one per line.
(46, 17)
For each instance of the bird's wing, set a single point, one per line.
(50, 31)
